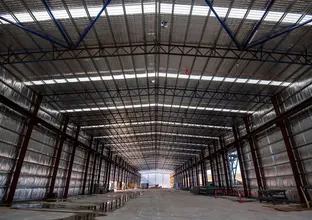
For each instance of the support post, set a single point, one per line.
(240, 160)
(253, 150)
(196, 173)
(224, 160)
(217, 162)
(75, 145)
(100, 166)
(192, 172)
(58, 157)
(108, 171)
(30, 126)
(87, 168)
(289, 150)
(94, 169)
(211, 166)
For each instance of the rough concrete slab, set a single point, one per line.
(13, 214)
(174, 205)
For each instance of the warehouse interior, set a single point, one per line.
(155, 109)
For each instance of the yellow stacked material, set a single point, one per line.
(131, 185)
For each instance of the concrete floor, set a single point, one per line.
(154, 204)
(160, 204)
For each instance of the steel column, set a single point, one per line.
(205, 169)
(30, 126)
(217, 162)
(192, 171)
(196, 172)
(58, 157)
(75, 145)
(211, 166)
(253, 150)
(87, 168)
(240, 160)
(202, 169)
(100, 166)
(224, 160)
(108, 171)
(115, 168)
(94, 169)
(289, 150)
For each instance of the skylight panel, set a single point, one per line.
(306, 18)
(72, 80)
(114, 10)
(273, 16)
(255, 14)
(165, 8)
(220, 11)
(182, 9)
(60, 14)
(291, 18)
(161, 75)
(83, 79)
(24, 17)
(81, 12)
(253, 81)
(237, 13)
(42, 15)
(149, 8)
(200, 10)
(60, 81)
(133, 9)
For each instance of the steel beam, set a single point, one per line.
(211, 166)
(58, 25)
(108, 171)
(100, 166)
(224, 25)
(225, 162)
(289, 150)
(192, 173)
(240, 160)
(115, 168)
(255, 28)
(58, 157)
(22, 153)
(253, 151)
(93, 95)
(91, 24)
(87, 168)
(196, 173)
(259, 55)
(217, 162)
(71, 162)
(94, 169)
(279, 34)
(48, 38)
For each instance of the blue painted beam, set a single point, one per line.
(255, 28)
(34, 32)
(91, 24)
(226, 28)
(58, 25)
(278, 34)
